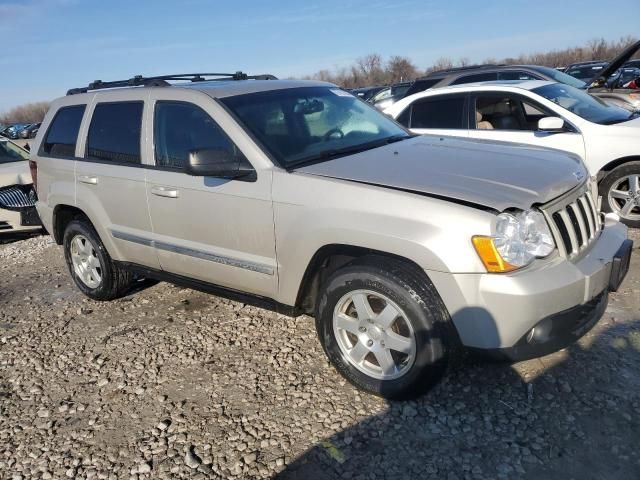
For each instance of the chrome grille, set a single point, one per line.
(575, 220)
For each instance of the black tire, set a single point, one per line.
(629, 168)
(115, 281)
(436, 340)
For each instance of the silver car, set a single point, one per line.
(297, 196)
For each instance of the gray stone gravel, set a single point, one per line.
(172, 383)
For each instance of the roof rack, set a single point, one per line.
(462, 69)
(163, 80)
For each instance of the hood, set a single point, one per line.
(497, 175)
(617, 62)
(15, 173)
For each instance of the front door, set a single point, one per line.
(215, 230)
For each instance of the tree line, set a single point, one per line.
(28, 113)
(373, 69)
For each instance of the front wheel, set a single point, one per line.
(384, 328)
(620, 191)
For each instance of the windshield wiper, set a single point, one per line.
(341, 152)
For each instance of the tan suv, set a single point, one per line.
(298, 196)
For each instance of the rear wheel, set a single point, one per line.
(385, 328)
(620, 191)
(90, 266)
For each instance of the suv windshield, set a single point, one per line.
(584, 105)
(308, 124)
(561, 77)
(10, 152)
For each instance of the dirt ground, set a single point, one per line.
(172, 383)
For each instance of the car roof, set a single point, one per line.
(213, 88)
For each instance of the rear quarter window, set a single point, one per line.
(62, 136)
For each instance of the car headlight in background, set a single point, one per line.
(519, 238)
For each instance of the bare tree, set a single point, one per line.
(28, 113)
(400, 69)
(373, 70)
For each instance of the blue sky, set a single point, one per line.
(49, 46)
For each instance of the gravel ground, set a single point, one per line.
(172, 383)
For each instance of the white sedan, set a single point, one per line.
(17, 196)
(542, 113)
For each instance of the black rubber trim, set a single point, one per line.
(620, 265)
(206, 287)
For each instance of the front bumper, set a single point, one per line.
(499, 312)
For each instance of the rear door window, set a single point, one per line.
(114, 134)
(442, 112)
(63, 133)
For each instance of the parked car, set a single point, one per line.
(13, 131)
(18, 215)
(586, 71)
(626, 77)
(367, 93)
(29, 131)
(484, 73)
(616, 94)
(546, 114)
(297, 196)
(386, 97)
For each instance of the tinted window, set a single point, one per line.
(182, 127)
(516, 75)
(405, 117)
(63, 133)
(478, 77)
(114, 134)
(445, 112)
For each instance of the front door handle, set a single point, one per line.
(88, 179)
(168, 192)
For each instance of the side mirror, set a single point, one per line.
(220, 163)
(551, 124)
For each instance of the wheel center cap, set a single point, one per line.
(375, 332)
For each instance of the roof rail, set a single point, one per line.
(163, 80)
(462, 69)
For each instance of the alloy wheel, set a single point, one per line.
(374, 334)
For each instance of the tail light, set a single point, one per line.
(33, 166)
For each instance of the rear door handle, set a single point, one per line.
(169, 192)
(88, 179)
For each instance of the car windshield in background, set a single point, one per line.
(309, 124)
(562, 77)
(584, 105)
(11, 153)
(585, 73)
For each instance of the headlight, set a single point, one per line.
(519, 238)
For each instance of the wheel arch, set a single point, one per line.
(606, 169)
(62, 216)
(328, 259)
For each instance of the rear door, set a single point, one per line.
(110, 178)
(438, 115)
(216, 230)
(510, 117)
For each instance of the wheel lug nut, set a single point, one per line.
(363, 329)
(369, 343)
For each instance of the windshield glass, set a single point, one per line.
(10, 152)
(562, 77)
(300, 125)
(584, 105)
